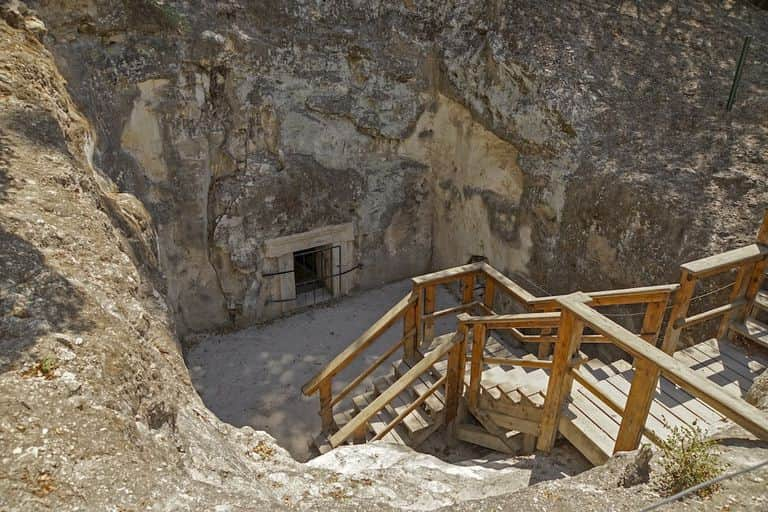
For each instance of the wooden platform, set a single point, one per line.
(588, 423)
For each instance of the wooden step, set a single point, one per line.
(435, 403)
(753, 330)
(380, 420)
(476, 434)
(761, 300)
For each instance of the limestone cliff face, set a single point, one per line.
(585, 145)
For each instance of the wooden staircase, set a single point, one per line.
(485, 385)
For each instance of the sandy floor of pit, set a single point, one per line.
(254, 377)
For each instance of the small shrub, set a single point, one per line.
(688, 459)
(48, 364)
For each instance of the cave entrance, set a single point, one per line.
(314, 274)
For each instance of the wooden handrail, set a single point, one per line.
(408, 410)
(506, 284)
(369, 336)
(724, 261)
(622, 297)
(365, 373)
(392, 391)
(448, 311)
(710, 314)
(531, 320)
(446, 275)
(738, 410)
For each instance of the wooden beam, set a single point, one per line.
(360, 378)
(680, 304)
(513, 321)
(505, 284)
(619, 297)
(738, 410)
(448, 311)
(738, 291)
(762, 233)
(326, 409)
(525, 363)
(408, 410)
(429, 308)
(410, 331)
(467, 288)
(560, 380)
(709, 314)
(725, 260)
(369, 336)
(455, 379)
(476, 365)
(447, 275)
(489, 294)
(391, 392)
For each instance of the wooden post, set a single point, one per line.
(739, 290)
(643, 386)
(467, 288)
(455, 378)
(410, 331)
(490, 292)
(753, 285)
(429, 307)
(476, 366)
(326, 410)
(560, 380)
(545, 349)
(681, 301)
(762, 233)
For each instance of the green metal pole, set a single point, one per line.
(737, 76)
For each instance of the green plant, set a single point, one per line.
(48, 364)
(688, 459)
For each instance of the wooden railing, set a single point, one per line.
(560, 322)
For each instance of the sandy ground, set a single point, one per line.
(254, 376)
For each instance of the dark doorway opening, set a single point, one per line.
(313, 274)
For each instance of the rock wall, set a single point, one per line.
(585, 146)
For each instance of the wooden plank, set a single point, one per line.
(408, 410)
(739, 287)
(447, 275)
(680, 304)
(467, 288)
(369, 336)
(585, 436)
(507, 285)
(752, 330)
(478, 435)
(736, 384)
(762, 233)
(643, 386)
(725, 260)
(395, 389)
(428, 309)
(326, 409)
(455, 376)
(525, 363)
(725, 309)
(626, 296)
(513, 423)
(531, 320)
(489, 294)
(559, 385)
(476, 367)
(410, 331)
(741, 412)
(448, 311)
(752, 365)
(360, 378)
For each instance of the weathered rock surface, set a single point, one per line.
(96, 408)
(585, 145)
